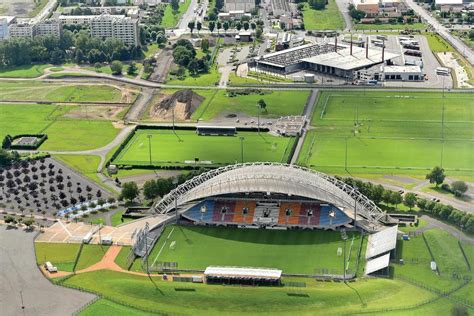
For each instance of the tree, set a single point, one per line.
(238, 26)
(132, 68)
(9, 219)
(262, 105)
(191, 26)
(175, 5)
(459, 187)
(317, 4)
(225, 26)
(79, 58)
(409, 200)
(436, 176)
(129, 191)
(150, 190)
(212, 26)
(246, 25)
(198, 26)
(387, 196)
(205, 44)
(116, 67)
(29, 222)
(395, 198)
(218, 26)
(182, 56)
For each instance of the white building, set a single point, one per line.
(3, 28)
(113, 26)
(77, 19)
(448, 2)
(21, 30)
(402, 73)
(48, 27)
(239, 5)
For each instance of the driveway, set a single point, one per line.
(22, 283)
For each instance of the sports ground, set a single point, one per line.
(402, 132)
(295, 251)
(184, 146)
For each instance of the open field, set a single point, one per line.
(40, 91)
(90, 254)
(412, 26)
(211, 78)
(84, 164)
(170, 19)
(391, 132)
(438, 44)
(105, 307)
(28, 71)
(60, 255)
(279, 103)
(63, 134)
(168, 149)
(198, 299)
(291, 251)
(328, 19)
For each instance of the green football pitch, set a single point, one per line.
(293, 251)
(182, 148)
(403, 132)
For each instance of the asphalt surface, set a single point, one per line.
(23, 285)
(457, 43)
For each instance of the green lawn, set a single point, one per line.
(52, 92)
(210, 78)
(279, 103)
(397, 132)
(39, 5)
(170, 19)
(59, 254)
(27, 71)
(169, 150)
(412, 26)
(90, 255)
(116, 218)
(328, 19)
(63, 133)
(198, 299)
(291, 251)
(105, 307)
(438, 44)
(84, 164)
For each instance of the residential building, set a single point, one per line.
(48, 27)
(3, 28)
(78, 19)
(239, 5)
(113, 26)
(21, 30)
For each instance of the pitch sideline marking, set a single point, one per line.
(162, 247)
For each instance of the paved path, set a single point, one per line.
(22, 284)
(343, 8)
(434, 223)
(459, 45)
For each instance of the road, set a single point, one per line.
(22, 283)
(44, 13)
(188, 16)
(454, 41)
(343, 8)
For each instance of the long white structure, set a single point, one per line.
(278, 178)
(382, 242)
(239, 272)
(377, 264)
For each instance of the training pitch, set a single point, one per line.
(391, 131)
(293, 251)
(182, 148)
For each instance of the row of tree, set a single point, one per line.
(79, 47)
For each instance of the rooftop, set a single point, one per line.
(402, 69)
(296, 54)
(237, 272)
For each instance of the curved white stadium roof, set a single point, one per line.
(273, 178)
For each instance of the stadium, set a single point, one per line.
(247, 211)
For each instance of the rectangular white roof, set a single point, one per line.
(400, 69)
(441, 2)
(381, 242)
(239, 272)
(342, 59)
(377, 264)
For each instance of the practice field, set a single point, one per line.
(402, 132)
(63, 133)
(168, 149)
(328, 19)
(292, 251)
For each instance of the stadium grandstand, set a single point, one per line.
(206, 130)
(271, 195)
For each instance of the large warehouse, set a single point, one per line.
(329, 58)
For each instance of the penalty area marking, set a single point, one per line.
(162, 247)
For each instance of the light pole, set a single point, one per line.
(203, 211)
(242, 149)
(344, 264)
(149, 146)
(258, 118)
(355, 207)
(175, 182)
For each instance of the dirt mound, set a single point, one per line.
(183, 103)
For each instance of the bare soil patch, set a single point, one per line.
(96, 112)
(181, 104)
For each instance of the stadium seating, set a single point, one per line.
(296, 214)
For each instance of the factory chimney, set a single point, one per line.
(351, 44)
(383, 52)
(335, 45)
(367, 48)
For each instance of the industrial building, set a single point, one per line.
(403, 73)
(239, 5)
(328, 58)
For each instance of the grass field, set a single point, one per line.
(170, 19)
(291, 251)
(204, 79)
(84, 164)
(396, 132)
(105, 307)
(279, 103)
(438, 44)
(40, 91)
(446, 252)
(28, 71)
(90, 254)
(197, 299)
(328, 19)
(60, 255)
(412, 26)
(63, 133)
(169, 149)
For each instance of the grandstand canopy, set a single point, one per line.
(377, 264)
(382, 242)
(238, 272)
(274, 178)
